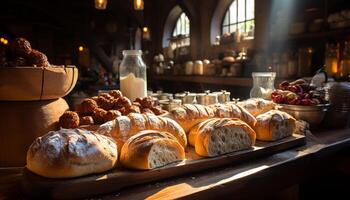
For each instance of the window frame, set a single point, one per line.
(228, 12)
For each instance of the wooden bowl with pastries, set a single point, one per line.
(36, 83)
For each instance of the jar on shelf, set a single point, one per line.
(133, 78)
(263, 84)
(332, 58)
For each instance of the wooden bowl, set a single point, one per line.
(35, 83)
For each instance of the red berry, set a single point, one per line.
(283, 85)
(306, 102)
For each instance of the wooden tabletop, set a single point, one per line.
(244, 179)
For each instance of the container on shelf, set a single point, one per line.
(160, 95)
(189, 68)
(207, 98)
(186, 97)
(170, 104)
(133, 78)
(198, 67)
(223, 96)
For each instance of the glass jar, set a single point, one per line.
(132, 75)
(263, 84)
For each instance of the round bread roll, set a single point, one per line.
(219, 136)
(151, 149)
(274, 125)
(71, 153)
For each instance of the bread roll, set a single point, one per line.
(274, 125)
(70, 153)
(151, 149)
(257, 106)
(190, 115)
(122, 128)
(221, 135)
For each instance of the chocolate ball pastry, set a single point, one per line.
(106, 95)
(38, 59)
(21, 47)
(99, 116)
(130, 109)
(112, 114)
(87, 106)
(116, 94)
(122, 102)
(147, 102)
(86, 120)
(69, 119)
(106, 104)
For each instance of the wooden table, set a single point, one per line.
(248, 179)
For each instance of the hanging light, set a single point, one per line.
(81, 48)
(101, 4)
(138, 4)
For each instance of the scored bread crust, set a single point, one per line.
(150, 149)
(122, 128)
(71, 153)
(231, 131)
(257, 106)
(190, 115)
(274, 125)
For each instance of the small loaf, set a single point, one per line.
(190, 115)
(257, 106)
(151, 149)
(71, 153)
(122, 128)
(218, 136)
(274, 125)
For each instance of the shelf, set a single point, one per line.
(213, 80)
(334, 33)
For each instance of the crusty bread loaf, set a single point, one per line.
(257, 106)
(122, 128)
(190, 115)
(274, 125)
(151, 149)
(221, 135)
(70, 153)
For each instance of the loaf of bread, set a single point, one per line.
(122, 128)
(257, 106)
(190, 115)
(151, 149)
(71, 153)
(274, 125)
(220, 136)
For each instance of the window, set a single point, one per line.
(182, 26)
(239, 17)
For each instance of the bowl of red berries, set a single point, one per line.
(302, 100)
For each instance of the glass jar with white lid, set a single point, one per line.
(263, 84)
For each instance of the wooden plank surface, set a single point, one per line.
(120, 178)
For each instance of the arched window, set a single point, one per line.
(239, 17)
(182, 26)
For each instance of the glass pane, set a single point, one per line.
(225, 29)
(233, 28)
(241, 10)
(226, 20)
(250, 26)
(182, 26)
(233, 12)
(241, 27)
(250, 9)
